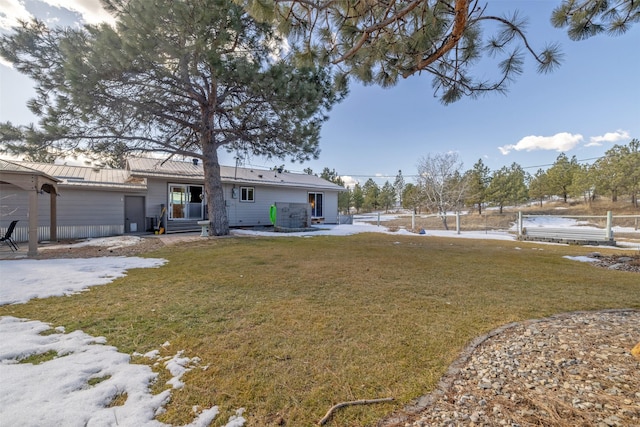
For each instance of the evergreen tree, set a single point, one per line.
(371, 193)
(632, 166)
(538, 187)
(331, 176)
(560, 176)
(508, 186)
(583, 183)
(412, 197)
(478, 180)
(398, 186)
(173, 77)
(387, 196)
(357, 197)
(383, 42)
(345, 199)
(618, 172)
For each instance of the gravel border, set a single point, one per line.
(455, 390)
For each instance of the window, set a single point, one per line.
(247, 194)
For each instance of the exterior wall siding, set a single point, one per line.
(73, 206)
(257, 213)
(81, 213)
(156, 197)
(99, 212)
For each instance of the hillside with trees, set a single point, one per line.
(442, 184)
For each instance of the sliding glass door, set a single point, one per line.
(186, 201)
(315, 200)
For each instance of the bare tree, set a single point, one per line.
(442, 182)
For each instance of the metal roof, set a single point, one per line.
(20, 167)
(82, 176)
(148, 167)
(139, 169)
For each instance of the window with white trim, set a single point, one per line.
(247, 194)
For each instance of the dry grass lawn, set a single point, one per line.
(290, 326)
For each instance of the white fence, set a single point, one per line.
(587, 235)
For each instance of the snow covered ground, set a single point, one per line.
(75, 387)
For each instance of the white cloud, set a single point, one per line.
(11, 11)
(90, 10)
(619, 135)
(560, 142)
(349, 181)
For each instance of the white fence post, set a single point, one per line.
(609, 221)
(519, 224)
(458, 222)
(413, 220)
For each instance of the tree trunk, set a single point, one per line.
(443, 217)
(218, 220)
(479, 208)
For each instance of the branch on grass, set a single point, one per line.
(354, 402)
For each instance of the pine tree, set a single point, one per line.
(618, 172)
(173, 77)
(387, 196)
(357, 197)
(371, 193)
(478, 180)
(538, 186)
(508, 186)
(560, 175)
(412, 197)
(398, 186)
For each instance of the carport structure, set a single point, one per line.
(33, 182)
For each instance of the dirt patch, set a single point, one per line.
(85, 249)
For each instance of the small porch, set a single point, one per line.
(34, 183)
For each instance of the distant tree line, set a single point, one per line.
(443, 186)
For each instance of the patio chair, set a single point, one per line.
(7, 236)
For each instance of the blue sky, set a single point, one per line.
(583, 108)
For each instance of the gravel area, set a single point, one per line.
(574, 369)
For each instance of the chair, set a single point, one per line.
(7, 236)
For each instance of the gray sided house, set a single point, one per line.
(150, 194)
(175, 193)
(90, 202)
